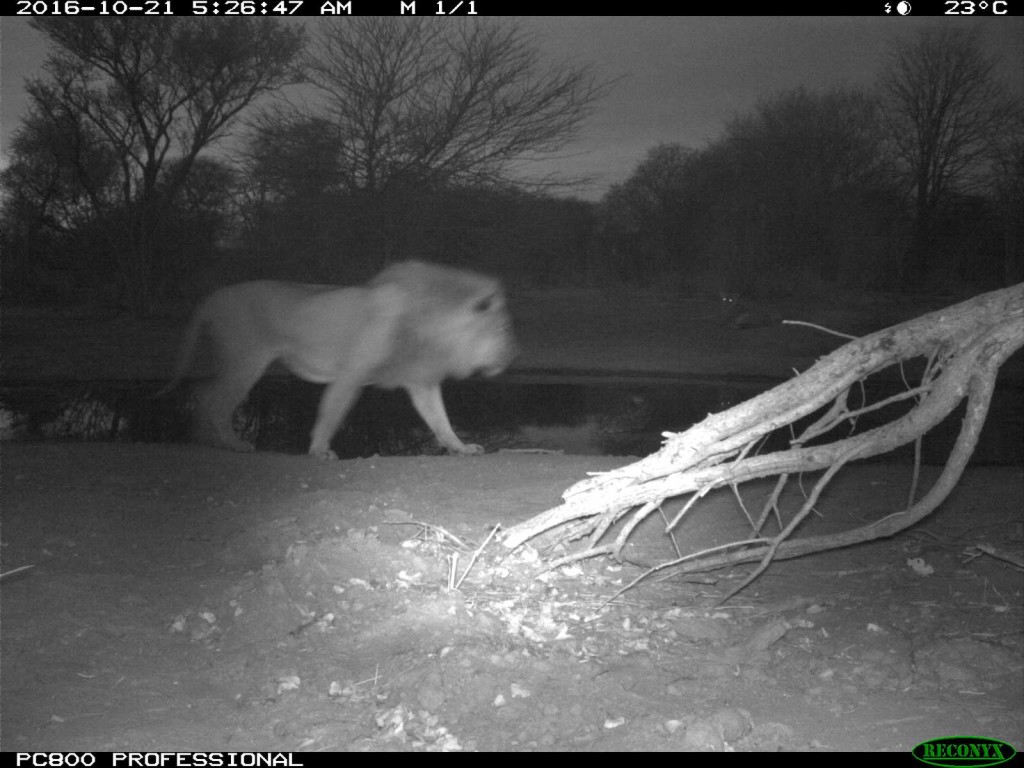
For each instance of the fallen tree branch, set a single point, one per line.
(964, 345)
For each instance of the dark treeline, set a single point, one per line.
(409, 142)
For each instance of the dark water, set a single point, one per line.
(581, 414)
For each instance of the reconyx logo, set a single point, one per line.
(960, 751)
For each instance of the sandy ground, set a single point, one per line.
(187, 598)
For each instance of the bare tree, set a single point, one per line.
(156, 92)
(60, 172)
(805, 174)
(402, 111)
(945, 107)
(441, 101)
(646, 226)
(791, 189)
(1008, 192)
(59, 182)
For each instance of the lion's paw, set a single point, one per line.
(468, 449)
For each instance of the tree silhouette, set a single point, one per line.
(403, 108)
(443, 102)
(946, 108)
(154, 93)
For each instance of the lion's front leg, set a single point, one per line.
(430, 405)
(335, 402)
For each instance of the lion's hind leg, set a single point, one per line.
(219, 398)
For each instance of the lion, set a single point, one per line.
(412, 326)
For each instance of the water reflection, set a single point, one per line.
(581, 415)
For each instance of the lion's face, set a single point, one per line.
(456, 324)
(484, 339)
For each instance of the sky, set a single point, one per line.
(677, 79)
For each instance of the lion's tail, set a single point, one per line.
(185, 353)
